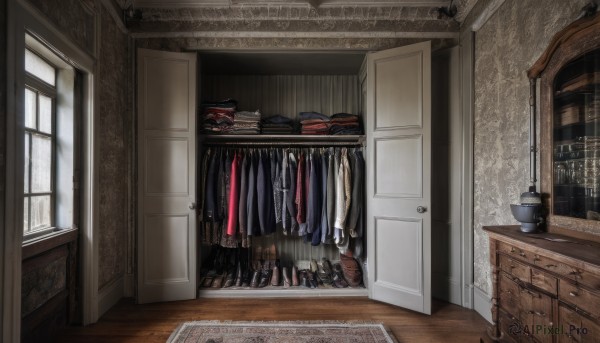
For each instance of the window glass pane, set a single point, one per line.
(26, 216)
(30, 109)
(41, 164)
(45, 114)
(27, 162)
(40, 68)
(40, 212)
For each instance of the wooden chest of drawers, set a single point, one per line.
(546, 287)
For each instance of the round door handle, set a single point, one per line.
(192, 206)
(421, 209)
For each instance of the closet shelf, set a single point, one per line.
(283, 140)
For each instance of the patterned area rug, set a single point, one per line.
(251, 332)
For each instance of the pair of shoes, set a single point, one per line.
(295, 276)
(324, 272)
(218, 281)
(338, 277)
(265, 275)
(307, 279)
(351, 270)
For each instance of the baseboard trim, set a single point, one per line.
(109, 295)
(128, 285)
(483, 304)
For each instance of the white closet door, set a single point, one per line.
(398, 176)
(166, 176)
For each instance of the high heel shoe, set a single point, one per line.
(286, 278)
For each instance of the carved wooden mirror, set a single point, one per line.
(569, 74)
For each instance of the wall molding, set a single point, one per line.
(483, 304)
(486, 14)
(466, 52)
(295, 34)
(110, 295)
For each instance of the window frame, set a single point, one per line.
(41, 88)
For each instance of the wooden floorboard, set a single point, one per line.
(128, 322)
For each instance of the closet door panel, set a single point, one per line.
(399, 91)
(166, 106)
(166, 176)
(399, 176)
(407, 179)
(163, 173)
(402, 234)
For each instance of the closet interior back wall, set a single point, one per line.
(286, 95)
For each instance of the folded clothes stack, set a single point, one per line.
(218, 116)
(344, 124)
(246, 123)
(313, 123)
(277, 125)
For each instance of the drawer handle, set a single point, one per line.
(522, 254)
(576, 274)
(512, 250)
(541, 314)
(551, 266)
(573, 294)
(536, 258)
(531, 293)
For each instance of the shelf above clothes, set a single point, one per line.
(283, 140)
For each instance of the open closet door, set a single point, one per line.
(166, 175)
(398, 176)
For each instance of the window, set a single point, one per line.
(40, 140)
(50, 132)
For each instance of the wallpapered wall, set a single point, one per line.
(505, 47)
(75, 18)
(115, 134)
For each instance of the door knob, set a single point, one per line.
(192, 206)
(421, 209)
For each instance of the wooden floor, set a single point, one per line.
(127, 322)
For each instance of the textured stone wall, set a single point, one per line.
(75, 18)
(505, 47)
(114, 130)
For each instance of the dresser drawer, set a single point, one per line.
(544, 281)
(515, 252)
(515, 268)
(580, 298)
(508, 294)
(537, 314)
(576, 327)
(581, 276)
